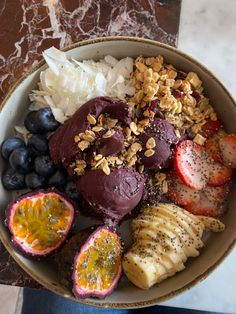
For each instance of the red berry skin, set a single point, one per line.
(210, 128)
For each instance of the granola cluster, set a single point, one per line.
(177, 96)
(159, 182)
(105, 127)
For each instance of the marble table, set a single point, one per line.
(38, 25)
(27, 27)
(207, 32)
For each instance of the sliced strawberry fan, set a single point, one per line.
(210, 128)
(208, 202)
(206, 207)
(213, 149)
(191, 164)
(178, 192)
(200, 183)
(218, 193)
(227, 146)
(219, 174)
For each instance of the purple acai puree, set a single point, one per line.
(163, 130)
(164, 136)
(62, 146)
(112, 196)
(112, 145)
(109, 146)
(160, 157)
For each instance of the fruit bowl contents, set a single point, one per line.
(131, 139)
(40, 222)
(165, 236)
(97, 265)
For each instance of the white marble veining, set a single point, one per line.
(208, 33)
(42, 23)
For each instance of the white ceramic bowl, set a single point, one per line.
(217, 245)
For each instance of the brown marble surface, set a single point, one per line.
(27, 27)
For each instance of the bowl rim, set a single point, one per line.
(97, 303)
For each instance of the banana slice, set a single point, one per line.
(158, 252)
(146, 241)
(164, 237)
(212, 224)
(139, 275)
(170, 226)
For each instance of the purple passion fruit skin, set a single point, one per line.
(62, 146)
(112, 196)
(40, 222)
(97, 264)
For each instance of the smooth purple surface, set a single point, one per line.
(161, 156)
(164, 135)
(112, 196)
(106, 146)
(111, 145)
(62, 146)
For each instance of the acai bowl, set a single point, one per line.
(160, 180)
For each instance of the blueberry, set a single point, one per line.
(38, 144)
(21, 160)
(31, 123)
(34, 180)
(44, 166)
(45, 120)
(71, 191)
(13, 180)
(10, 144)
(58, 179)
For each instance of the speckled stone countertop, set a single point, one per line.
(27, 27)
(36, 25)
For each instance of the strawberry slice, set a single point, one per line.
(219, 174)
(191, 164)
(227, 146)
(179, 193)
(213, 149)
(205, 207)
(218, 193)
(210, 128)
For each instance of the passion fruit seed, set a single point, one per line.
(97, 267)
(40, 222)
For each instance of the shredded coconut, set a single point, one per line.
(66, 85)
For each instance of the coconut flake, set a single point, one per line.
(67, 85)
(55, 59)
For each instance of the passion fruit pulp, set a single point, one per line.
(97, 265)
(40, 222)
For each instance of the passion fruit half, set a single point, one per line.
(97, 264)
(40, 222)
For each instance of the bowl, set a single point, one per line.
(217, 245)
